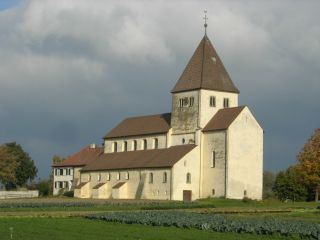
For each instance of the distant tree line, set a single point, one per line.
(17, 168)
(300, 182)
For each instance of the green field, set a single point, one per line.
(63, 218)
(79, 228)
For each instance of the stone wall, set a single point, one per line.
(19, 194)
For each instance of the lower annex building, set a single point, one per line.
(208, 146)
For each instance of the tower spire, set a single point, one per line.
(205, 22)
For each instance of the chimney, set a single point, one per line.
(93, 145)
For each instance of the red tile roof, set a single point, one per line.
(223, 119)
(155, 158)
(205, 70)
(81, 158)
(143, 125)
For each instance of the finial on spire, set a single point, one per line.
(205, 22)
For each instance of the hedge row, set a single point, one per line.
(213, 222)
(137, 205)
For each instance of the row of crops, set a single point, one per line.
(115, 205)
(213, 222)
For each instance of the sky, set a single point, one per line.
(71, 70)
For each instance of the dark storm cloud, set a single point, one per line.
(69, 71)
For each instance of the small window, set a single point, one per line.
(55, 184)
(156, 143)
(127, 176)
(213, 159)
(213, 192)
(145, 144)
(164, 177)
(188, 179)
(183, 141)
(135, 145)
(60, 184)
(191, 101)
(150, 177)
(245, 193)
(212, 101)
(125, 146)
(115, 147)
(56, 172)
(66, 185)
(99, 177)
(118, 176)
(108, 176)
(89, 177)
(61, 172)
(180, 102)
(226, 102)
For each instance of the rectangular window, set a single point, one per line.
(226, 102)
(61, 172)
(56, 172)
(150, 177)
(213, 159)
(118, 176)
(212, 101)
(108, 176)
(55, 185)
(60, 184)
(127, 175)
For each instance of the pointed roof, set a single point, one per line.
(205, 70)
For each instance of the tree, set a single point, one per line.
(8, 166)
(26, 169)
(289, 185)
(309, 162)
(57, 159)
(268, 183)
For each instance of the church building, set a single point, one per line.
(208, 146)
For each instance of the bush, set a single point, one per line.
(68, 194)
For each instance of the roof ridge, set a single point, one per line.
(152, 115)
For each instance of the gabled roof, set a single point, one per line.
(155, 158)
(223, 119)
(143, 125)
(205, 70)
(81, 158)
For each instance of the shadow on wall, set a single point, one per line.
(140, 186)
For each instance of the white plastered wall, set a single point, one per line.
(213, 178)
(162, 142)
(245, 157)
(188, 164)
(138, 185)
(62, 178)
(207, 112)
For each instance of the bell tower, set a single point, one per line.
(203, 88)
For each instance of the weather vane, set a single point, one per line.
(205, 22)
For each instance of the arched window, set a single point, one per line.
(150, 177)
(115, 147)
(145, 144)
(164, 177)
(125, 146)
(188, 180)
(134, 145)
(108, 176)
(127, 176)
(118, 176)
(156, 143)
(99, 177)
